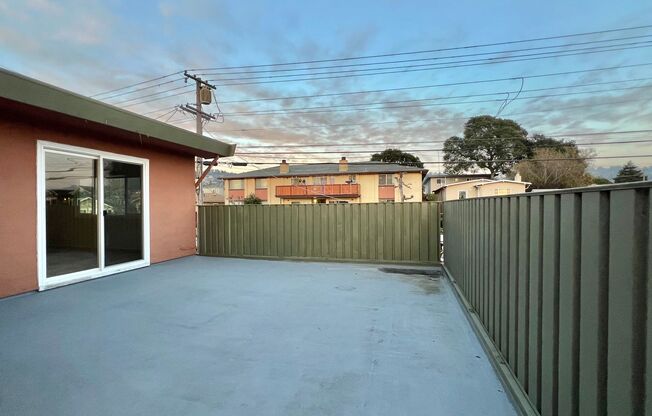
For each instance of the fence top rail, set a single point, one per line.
(312, 205)
(584, 189)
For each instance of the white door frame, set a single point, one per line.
(45, 282)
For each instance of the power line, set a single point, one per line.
(271, 111)
(136, 84)
(566, 45)
(508, 160)
(352, 72)
(557, 135)
(310, 126)
(441, 149)
(385, 55)
(401, 71)
(398, 89)
(338, 110)
(435, 85)
(130, 100)
(141, 89)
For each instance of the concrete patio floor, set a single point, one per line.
(215, 336)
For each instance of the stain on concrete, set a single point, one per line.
(426, 279)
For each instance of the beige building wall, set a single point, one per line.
(368, 188)
(452, 192)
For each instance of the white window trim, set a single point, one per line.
(41, 250)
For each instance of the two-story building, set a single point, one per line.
(314, 183)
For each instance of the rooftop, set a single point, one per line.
(310, 169)
(458, 175)
(203, 335)
(33, 93)
(482, 182)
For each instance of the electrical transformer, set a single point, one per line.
(205, 95)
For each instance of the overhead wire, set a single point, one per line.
(384, 55)
(589, 84)
(435, 65)
(431, 120)
(384, 108)
(534, 145)
(637, 156)
(136, 84)
(490, 62)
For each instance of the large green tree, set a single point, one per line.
(397, 156)
(629, 173)
(488, 143)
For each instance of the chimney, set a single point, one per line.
(344, 165)
(518, 177)
(284, 168)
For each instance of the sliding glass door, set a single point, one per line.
(123, 215)
(92, 214)
(71, 213)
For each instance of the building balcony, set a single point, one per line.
(344, 190)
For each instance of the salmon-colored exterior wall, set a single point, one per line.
(171, 189)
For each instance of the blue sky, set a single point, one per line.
(94, 46)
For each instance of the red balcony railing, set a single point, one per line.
(315, 191)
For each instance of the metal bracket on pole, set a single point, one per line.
(205, 172)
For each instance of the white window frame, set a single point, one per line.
(231, 181)
(256, 183)
(44, 282)
(386, 176)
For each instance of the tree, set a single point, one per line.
(489, 143)
(252, 199)
(599, 180)
(629, 173)
(397, 156)
(556, 168)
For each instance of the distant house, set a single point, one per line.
(434, 181)
(480, 187)
(313, 183)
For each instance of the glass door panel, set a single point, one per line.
(71, 213)
(122, 212)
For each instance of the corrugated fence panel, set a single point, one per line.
(560, 283)
(399, 232)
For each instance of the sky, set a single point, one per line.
(92, 47)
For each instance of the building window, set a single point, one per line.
(440, 181)
(236, 184)
(352, 179)
(298, 181)
(385, 179)
(462, 194)
(261, 183)
(320, 180)
(502, 191)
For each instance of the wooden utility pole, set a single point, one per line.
(200, 116)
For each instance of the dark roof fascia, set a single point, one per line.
(18, 88)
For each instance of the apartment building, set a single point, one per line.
(315, 183)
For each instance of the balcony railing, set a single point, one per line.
(315, 191)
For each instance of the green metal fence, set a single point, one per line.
(398, 232)
(559, 281)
